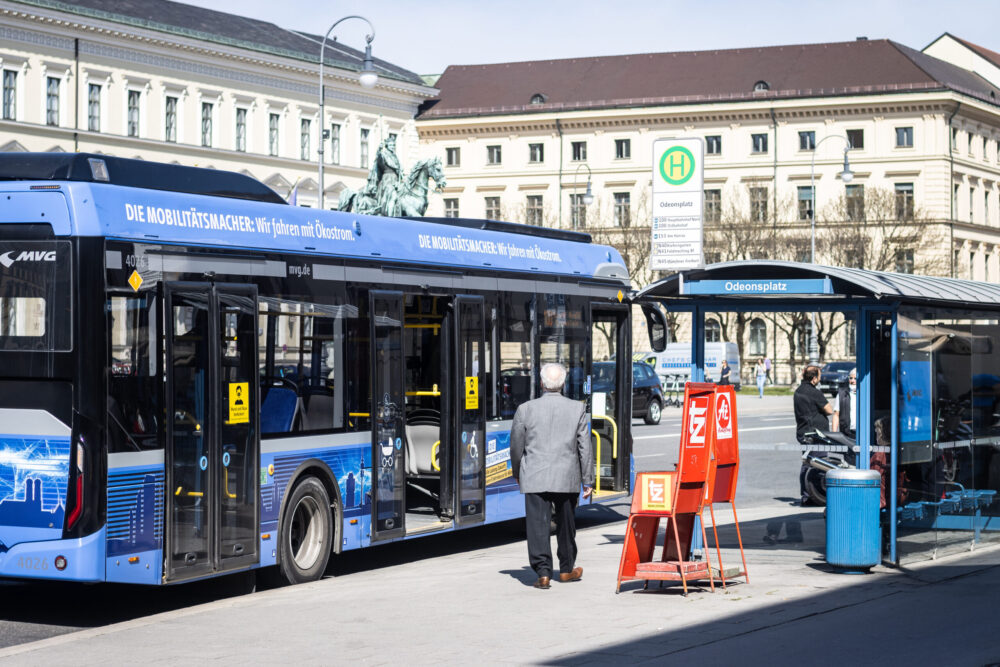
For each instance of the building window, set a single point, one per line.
(623, 149)
(335, 143)
(856, 139)
(94, 107)
(904, 261)
(536, 152)
(758, 204)
(986, 207)
(954, 201)
(713, 145)
(972, 201)
(493, 155)
(451, 208)
(759, 142)
(52, 101)
(802, 331)
(241, 130)
(713, 205)
(579, 149)
(206, 123)
(492, 208)
(534, 210)
(904, 201)
(623, 209)
(364, 147)
(954, 138)
(851, 338)
(972, 265)
(904, 137)
(170, 120)
(453, 157)
(854, 201)
(758, 337)
(970, 142)
(577, 211)
(805, 197)
(133, 113)
(713, 332)
(272, 133)
(305, 139)
(9, 95)
(807, 141)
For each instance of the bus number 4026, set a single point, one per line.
(29, 563)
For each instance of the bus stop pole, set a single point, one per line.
(698, 344)
(863, 420)
(894, 431)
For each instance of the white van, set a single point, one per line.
(676, 360)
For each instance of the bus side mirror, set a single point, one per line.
(656, 324)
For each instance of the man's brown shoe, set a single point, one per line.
(575, 575)
(543, 582)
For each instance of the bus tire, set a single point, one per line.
(305, 539)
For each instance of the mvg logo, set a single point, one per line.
(697, 421)
(27, 256)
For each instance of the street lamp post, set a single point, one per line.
(367, 77)
(588, 197)
(846, 175)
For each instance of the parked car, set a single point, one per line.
(833, 375)
(647, 395)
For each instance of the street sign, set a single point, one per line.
(678, 202)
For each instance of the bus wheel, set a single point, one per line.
(305, 539)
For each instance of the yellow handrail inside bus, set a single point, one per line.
(359, 414)
(435, 462)
(433, 392)
(436, 327)
(614, 436)
(598, 458)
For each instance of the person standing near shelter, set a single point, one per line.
(760, 374)
(724, 372)
(811, 413)
(767, 369)
(551, 457)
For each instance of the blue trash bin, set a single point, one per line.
(852, 519)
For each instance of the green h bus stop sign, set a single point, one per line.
(678, 203)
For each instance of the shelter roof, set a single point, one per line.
(861, 67)
(880, 285)
(208, 25)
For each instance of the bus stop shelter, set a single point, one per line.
(928, 364)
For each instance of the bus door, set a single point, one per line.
(212, 452)
(611, 397)
(388, 452)
(468, 409)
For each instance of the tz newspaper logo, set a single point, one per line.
(698, 413)
(677, 165)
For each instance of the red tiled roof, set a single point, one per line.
(655, 79)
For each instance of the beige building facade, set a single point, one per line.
(175, 83)
(521, 140)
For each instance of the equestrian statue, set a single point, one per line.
(387, 192)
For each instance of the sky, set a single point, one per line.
(425, 36)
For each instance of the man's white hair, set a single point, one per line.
(553, 377)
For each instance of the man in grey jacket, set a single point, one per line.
(551, 457)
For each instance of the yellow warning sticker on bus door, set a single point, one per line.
(239, 402)
(471, 392)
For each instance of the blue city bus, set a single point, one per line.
(197, 378)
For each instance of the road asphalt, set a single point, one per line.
(475, 604)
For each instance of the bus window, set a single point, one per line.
(515, 352)
(301, 358)
(564, 339)
(133, 389)
(35, 296)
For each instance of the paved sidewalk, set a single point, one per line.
(430, 602)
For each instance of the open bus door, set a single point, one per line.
(212, 434)
(468, 408)
(611, 397)
(388, 385)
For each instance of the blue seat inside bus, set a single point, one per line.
(278, 409)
